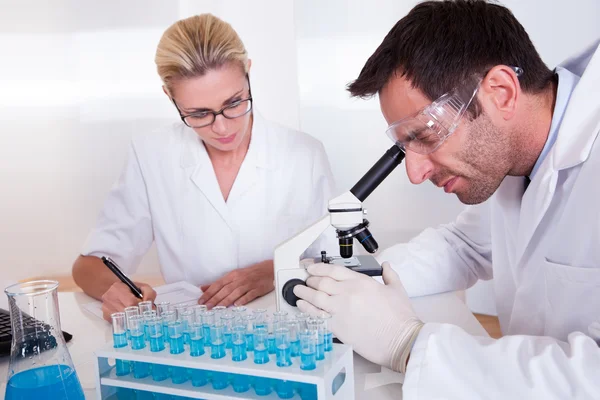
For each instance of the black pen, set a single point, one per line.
(117, 271)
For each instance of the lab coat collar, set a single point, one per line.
(581, 123)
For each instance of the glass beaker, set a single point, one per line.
(40, 364)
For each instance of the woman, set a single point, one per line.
(217, 192)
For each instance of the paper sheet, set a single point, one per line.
(175, 293)
(385, 377)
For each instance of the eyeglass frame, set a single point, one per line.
(518, 71)
(221, 111)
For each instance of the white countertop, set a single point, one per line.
(89, 333)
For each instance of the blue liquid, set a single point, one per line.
(160, 372)
(238, 352)
(196, 347)
(125, 394)
(122, 367)
(140, 369)
(157, 343)
(146, 332)
(227, 337)
(143, 395)
(321, 351)
(199, 377)
(186, 337)
(328, 341)
(176, 344)
(271, 343)
(308, 361)
(179, 375)
(295, 345)
(250, 341)
(49, 382)
(217, 350)
(219, 380)
(285, 389)
(308, 391)
(119, 340)
(162, 396)
(284, 356)
(262, 386)
(261, 356)
(241, 383)
(137, 342)
(206, 334)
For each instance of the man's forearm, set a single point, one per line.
(91, 275)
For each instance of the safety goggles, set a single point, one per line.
(426, 130)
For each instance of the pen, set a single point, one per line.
(117, 271)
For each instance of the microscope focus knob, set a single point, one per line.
(288, 291)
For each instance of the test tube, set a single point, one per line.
(239, 312)
(218, 310)
(147, 316)
(228, 323)
(187, 319)
(238, 345)
(178, 374)
(162, 306)
(271, 326)
(249, 324)
(294, 327)
(284, 389)
(129, 311)
(241, 383)
(217, 341)
(260, 314)
(136, 329)
(198, 310)
(199, 377)
(208, 319)
(119, 329)
(282, 343)
(196, 339)
(261, 355)
(179, 309)
(302, 319)
(315, 325)
(308, 349)
(327, 334)
(145, 306)
(167, 316)
(160, 372)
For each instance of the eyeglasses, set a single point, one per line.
(234, 110)
(426, 130)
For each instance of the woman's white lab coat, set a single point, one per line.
(543, 250)
(168, 193)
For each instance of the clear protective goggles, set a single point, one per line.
(426, 130)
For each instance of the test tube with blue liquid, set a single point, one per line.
(308, 349)
(160, 372)
(260, 316)
(208, 319)
(262, 386)
(178, 374)
(239, 312)
(167, 316)
(199, 377)
(228, 321)
(162, 307)
(198, 310)
(294, 327)
(119, 341)
(145, 306)
(302, 319)
(217, 351)
(129, 311)
(315, 325)
(180, 309)
(136, 330)
(240, 382)
(147, 316)
(187, 319)
(327, 334)
(282, 344)
(248, 322)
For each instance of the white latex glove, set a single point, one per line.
(377, 320)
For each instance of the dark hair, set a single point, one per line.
(439, 44)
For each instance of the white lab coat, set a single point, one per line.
(168, 193)
(543, 250)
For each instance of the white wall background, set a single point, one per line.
(77, 78)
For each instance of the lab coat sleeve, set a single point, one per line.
(448, 363)
(451, 257)
(124, 227)
(322, 191)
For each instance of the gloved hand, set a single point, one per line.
(377, 320)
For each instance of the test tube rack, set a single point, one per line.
(333, 377)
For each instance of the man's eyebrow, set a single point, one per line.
(194, 110)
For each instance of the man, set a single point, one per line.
(503, 127)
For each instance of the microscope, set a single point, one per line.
(346, 215)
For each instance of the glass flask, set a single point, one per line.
(40, 364)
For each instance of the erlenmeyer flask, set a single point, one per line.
(40, 364)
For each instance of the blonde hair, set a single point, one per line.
(193, 46)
